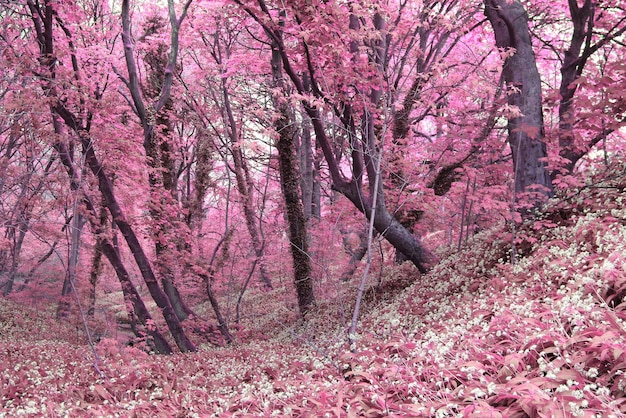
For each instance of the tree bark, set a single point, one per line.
(526, 132)
(156, 126)
(245, 187)
(96, 267)
(289, 180)
(131, 295)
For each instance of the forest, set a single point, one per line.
(350, 208)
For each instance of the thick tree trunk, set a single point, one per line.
(156, 126)
(289, 180)
(163, 183)
(526, 132)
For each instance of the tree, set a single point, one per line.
(289, 181)
(584, 42)
(523, 83)
(44, 17)
(154, 118)
(362, 141)
(220, 49)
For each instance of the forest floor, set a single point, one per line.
(487, 333)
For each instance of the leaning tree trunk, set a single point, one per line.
(351, 187)
(43, 23)
(159, 296)
(526, 132)
(289, 180)
(134, 304)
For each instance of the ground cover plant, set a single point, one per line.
(478, 336)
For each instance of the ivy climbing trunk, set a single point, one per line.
(289, 180)
(157, 129)
(79, 121)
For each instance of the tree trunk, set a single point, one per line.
(245, 187)
(111, 252)
(304, 154)
(526, 132)
(15, 252)
(356, 254)
(76, 229)
(96, 268)
(289, 180)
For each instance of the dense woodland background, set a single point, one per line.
(313, 208)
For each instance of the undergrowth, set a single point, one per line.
(479, 336)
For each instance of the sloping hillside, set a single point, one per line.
(543, 336)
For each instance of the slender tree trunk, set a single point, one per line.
(221, 322)
(289, 180)
(15, 253)
(316, 198)
(96, 268)
(304, 153)
(245, 187)
(76, 229)
(526, 132)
